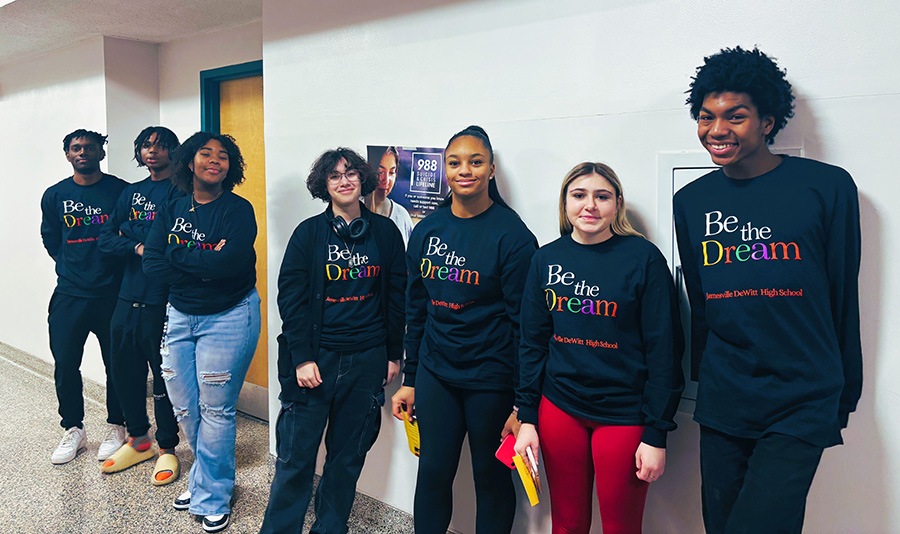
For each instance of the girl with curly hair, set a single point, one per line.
(202, 243)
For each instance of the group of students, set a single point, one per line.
(573, 347)
(163, 273)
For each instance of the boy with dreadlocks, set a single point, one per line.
(770, 247)
(137, 322)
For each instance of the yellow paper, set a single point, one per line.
(527, 480)
(412, 433)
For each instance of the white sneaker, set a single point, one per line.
(215, 523)
(183, 501)
(73, 442)
(115, 437)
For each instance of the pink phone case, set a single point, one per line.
(507, 450)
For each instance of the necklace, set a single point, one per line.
(349, 249)
(193, 207)
(351, 263)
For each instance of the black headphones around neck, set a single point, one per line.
(354, 231)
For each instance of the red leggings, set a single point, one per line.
(575, 450)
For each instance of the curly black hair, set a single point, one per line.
(98, 138)
(745, 71)
(317, 183)
(165, 138)
(183, 176)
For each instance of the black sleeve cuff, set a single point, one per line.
(843, 418)
(528, 414)
(409, 380)
(654, 437)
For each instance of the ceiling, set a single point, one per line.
(32, 27)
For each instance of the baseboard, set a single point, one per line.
(254, 400)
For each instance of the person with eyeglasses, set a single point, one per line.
(342, 296)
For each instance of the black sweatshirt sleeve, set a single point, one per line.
(110, 241)
(534, 345)
(416, 311)
(227, 262)
(843, 251)
(663, 346)
(690, 271)
(396, 297)
(293, 297)
(136, 230)
(515, 267)
(154, 261)
(51, 232)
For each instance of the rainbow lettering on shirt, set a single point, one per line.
(715, 252)
(72, 221)
(91, 215)
(195, 239)
(357, 265)
(577, 304)
(451, 274)
(334, 272)
(136, 215)
(452, 271)
(148, 213)
(173, 238)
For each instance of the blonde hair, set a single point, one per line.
(620, 226)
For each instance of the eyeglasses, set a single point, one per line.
(351, 175)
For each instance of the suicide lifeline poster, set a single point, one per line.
(411, 177)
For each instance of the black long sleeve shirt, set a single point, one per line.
(601, 335)
(181, 249)
(72, 217)
(463, 297)
(129, 226)
(302, 292)
(771, 265)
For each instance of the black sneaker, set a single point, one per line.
(183, 501)
(215, 523)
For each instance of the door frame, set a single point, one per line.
(253, 400)
(209, 90)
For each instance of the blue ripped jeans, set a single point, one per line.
(204, 361)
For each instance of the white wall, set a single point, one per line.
(556, 83)
(113, 86)
(41, 101)
(102, 84)
(132, 100)
(181, 61)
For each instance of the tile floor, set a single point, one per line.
(38, 497)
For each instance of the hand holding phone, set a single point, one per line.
(507, 450)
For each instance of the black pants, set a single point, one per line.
(755, 485)
(137, 331)
(349, 401)
(71, 319)
(446, 414)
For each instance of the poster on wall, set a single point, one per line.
(411, 182)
